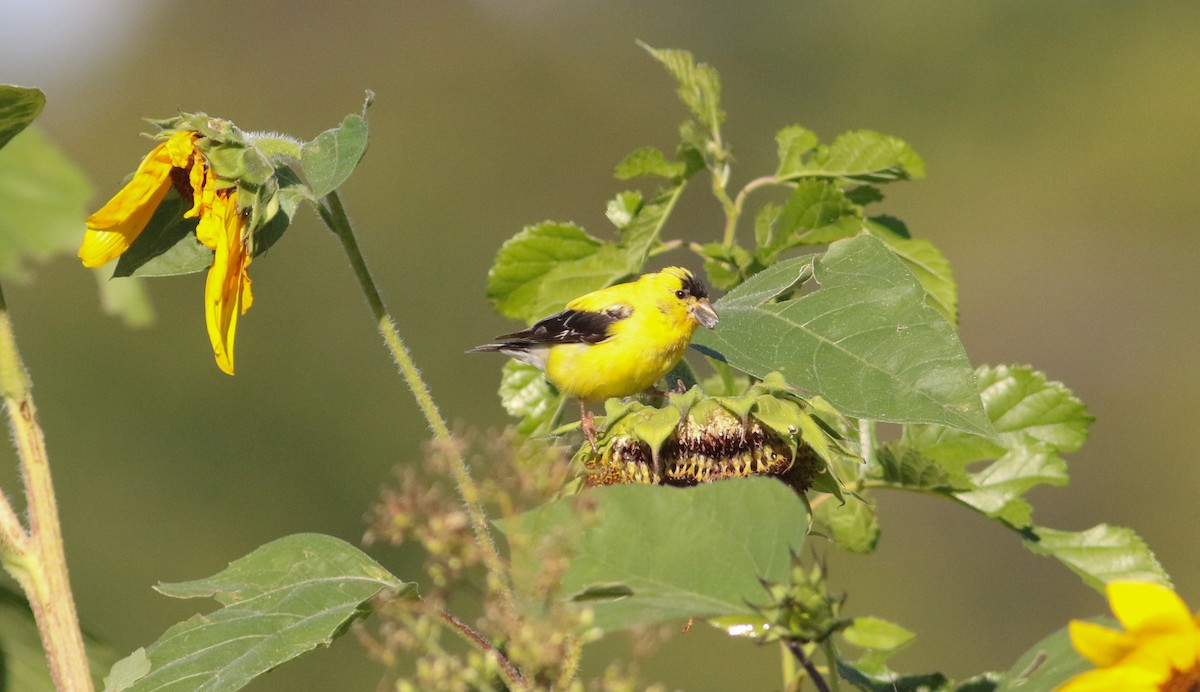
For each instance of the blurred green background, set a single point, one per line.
(1061, 142)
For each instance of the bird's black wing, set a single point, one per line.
(572, 327)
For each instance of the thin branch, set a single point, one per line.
(334, 215)
(798, 651)
(512, 676)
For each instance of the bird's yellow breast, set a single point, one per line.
(642, 349)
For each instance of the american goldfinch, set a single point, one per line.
(616, 341)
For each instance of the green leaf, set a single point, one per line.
(126, 300)
(817, 212)
(284, 599)
(862, 155)
(167, 246)
(907, 468)
(542, 268)
(1100, 554)
(795, 142)
(333, 155)
(999, 487)
(526, 394)
(1045, 666)
(866, 341)
(699, 85)
(669, 554)
(623, 208)
(1034, 419)
(929, 265)
(18, 107)
(649, 161)
(854, 524)
(880, 638)
(42, 197)
(888, 681)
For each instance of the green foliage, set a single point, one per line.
(287, 597)
(1100, 554)
(526, 395)
(19, 106)
(42, 197)
(330, 158)
(546, 265)
(645, 554)
(865, 341)
(1046, 665)
(863, 323)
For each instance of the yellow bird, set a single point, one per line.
(616, 341)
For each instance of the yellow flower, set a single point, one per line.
(1159, 651)
(221, 228)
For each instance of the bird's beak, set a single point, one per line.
(703, 313)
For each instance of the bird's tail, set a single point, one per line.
(524, 351)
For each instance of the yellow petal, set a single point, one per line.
(114, 227)
(1147, 608)
(1116, 679)
(227, 290)
(1098, 644)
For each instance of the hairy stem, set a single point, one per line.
(334, 215)
(36, 558)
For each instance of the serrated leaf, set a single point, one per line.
(863, 155)
(866, 341)
(1100, 554)
(622, 208)
(542, 268)
(649, 161)
(1025, 409)
(1045, 666)
(330, 158)
(816, 212)
(998, 487)
(910, 469)
(287, 597)
(854, 524)
(929, 265)
(699, 85)
(42, 197)
(19, 106)
(675, 553)
(794, 143)
(525, 394)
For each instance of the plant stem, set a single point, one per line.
(831, 661)
(866, 443)
(512, 677)
(798, 651)
(334, 215)
(733, 210)
(36, 558)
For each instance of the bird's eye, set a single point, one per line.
(681, 294)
